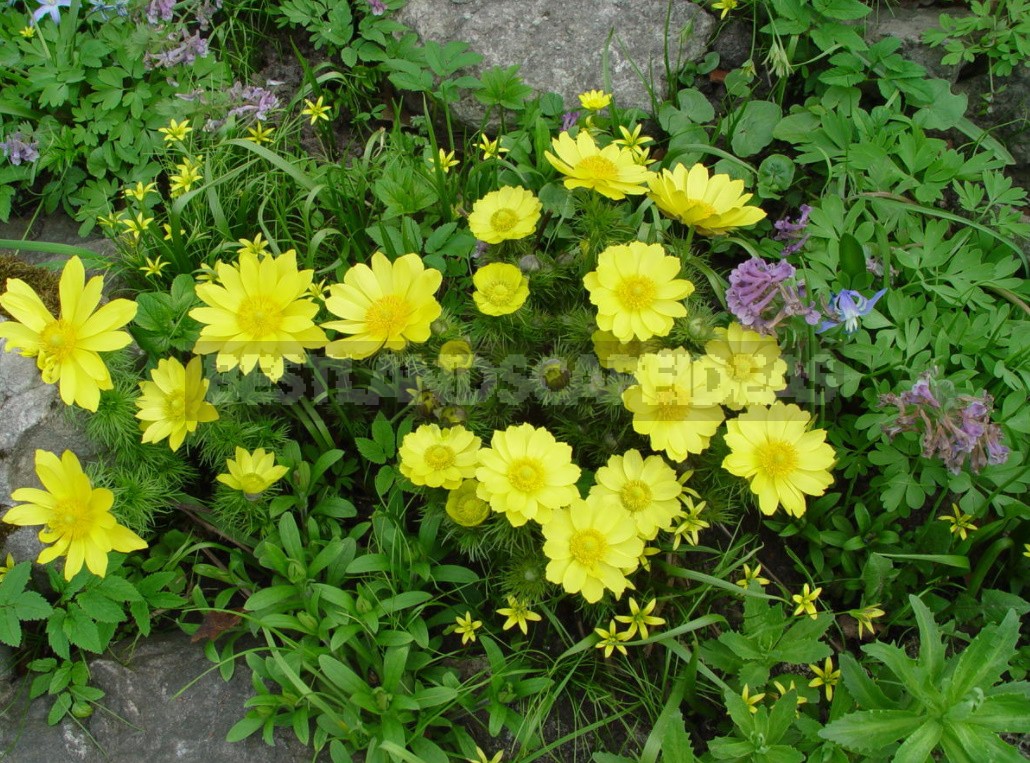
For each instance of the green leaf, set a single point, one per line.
(982, 662)
(62, 705)
(13, 583)
(1004, 713)
(289, 535)
(382, 434)
(435, 695)
(82, 631)
(872, 730)
(244, 727)
(340, 676)
(100, 608)
(852, 258)
(861, 687)
(917, 748)
(963, 743)
(269, 597)
(10, 627)
(931, 648)
(753, 129)
(372, 451)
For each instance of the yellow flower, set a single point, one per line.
(456, 355)
(751, 700)
(646, 488)
(252, 473)
(518, 613)
(827, 677)
(492, 149)
(467, 627)
(206, 274)
(257, 247)
(772, 448)
(792, 687)
(444, 160)
(644, 560)
(748, 365)
(176, 131)
(135, 226)
(673, 403)
(439, 458)
(28, 32)
(500, 289)
(465, 507)
(167, 228)
(505, 215)
(67, 349)
(611, 171)
(111, 221)
(259, 134)
(386, 305)
(865, 616)
(188, 174)
(620, 356)
(316, 110)
(526, 473)
(139, 191)
(612, 640)
(258, 312)
(76, 516)
(753, 574)
(636, 291)
(172, 404)
(481, 757)
(1026, 549)
(961, 524)
(713, 206)
(153, 267)
(640, 618)
(806, 601)
(318, 290)
(595, 100)
(689, 523)
(632, 141)
(591, 546)
(725, 6)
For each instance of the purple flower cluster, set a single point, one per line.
(793, 232)
(251, 101)
(568, 120)
(206, 11)
(20, 148)
(954, 427)
(762, 294)
(377, 7)
(186, 49)
(160, 10)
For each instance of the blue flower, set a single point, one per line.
(846, 307)
(51, 8)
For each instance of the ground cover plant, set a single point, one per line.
(588, 434)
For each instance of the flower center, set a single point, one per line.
(777, 458)
(71, 517)
(699, 210)
(525, 475)
(499, 293)
(472, 511)
(635, 292)
(388, 316)
(669, 405)
(175, 406)
(503, 220)
(598, 168)
(439, 457)
(588, 547)
(635, 495)
(741, 367)
(57, 340)
(259, 316)
(253, 484)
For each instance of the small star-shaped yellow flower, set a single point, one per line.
(826, 677)
(753, 574)
(467, 627)
(445, 160)
(481, 757)
(153, 267)
(518, 613)
(28, 32)
(139, 191)
(258, 246)
(961, 524)
(725, 6)
(611, 639)
(492, 149)
(259, 134)
(135, 226)
(865, 616)
(639, 618)
(806, 601)
(751, 700)
(316, 110)
(176, 131)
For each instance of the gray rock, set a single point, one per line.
(23, 544)
(152, 711)
(908, 24)
(559, 47)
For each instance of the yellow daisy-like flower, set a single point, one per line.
(492, 149)
(257, 247)
(636, 291)
(806, 601)
(518, 613)
(258, 313)
(28, 32)
(505, 215)
(67, 349)
(646, 488)
(961, 524)
(713, 206)
(612, 640)
(501, 289)
(316, 110)
(76, 516)
(826, 677)
(252, 473)
(439, 458)
(153, 267)
(456, 355)
(773, 449)
(444, 160)
(526, 473)
(465, 507)
(139, 191)
(748, 365)
(673, 403)
(259, 134)
(611, 171)
(172, 404)
(640, 618)
(620, 356)
(595, 100)
(591, 546)
(175, 131)
(386, 305)
(467, 627)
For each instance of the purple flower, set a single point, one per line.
(20, 148)
(206, 11)
(50, 8)
(568, 120)
(846, 307)
(793, 232)
(754, 284)
(160, 10)
(251, 101)
(377, 7)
